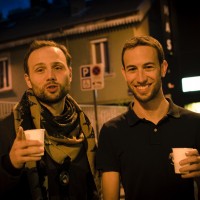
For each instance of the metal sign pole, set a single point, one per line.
(95, 112)
(92, 78)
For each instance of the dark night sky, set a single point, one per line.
(8, 5)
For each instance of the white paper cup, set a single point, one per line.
(35, 134)
(178, 155)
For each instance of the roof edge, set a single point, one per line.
(143, 8)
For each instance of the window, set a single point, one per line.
(5, 74)
(100, 53)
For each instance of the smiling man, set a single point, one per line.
(135, 148)
(66, 171)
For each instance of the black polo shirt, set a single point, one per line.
(139, 150)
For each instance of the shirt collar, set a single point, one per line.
(173, 109)
(132, 118)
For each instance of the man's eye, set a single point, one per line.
(58, 67)
(39, 70)
(149, 67)
(131, 69)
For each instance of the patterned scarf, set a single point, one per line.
(64, 134)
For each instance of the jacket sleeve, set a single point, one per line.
(9, 176)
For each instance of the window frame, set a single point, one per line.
(104, 51)
(7, 75)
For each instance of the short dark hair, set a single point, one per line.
(37, 44)
(144, 41)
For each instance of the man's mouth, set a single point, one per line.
(52, 88)
(142, 88)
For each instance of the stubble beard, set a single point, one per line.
(51, 98)
(148, 97)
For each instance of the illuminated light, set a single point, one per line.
(193, 107)
(190, 84)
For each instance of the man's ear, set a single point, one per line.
(123, 73)
(123, 70)
(27, 79)
(164, 68)
(70, 74)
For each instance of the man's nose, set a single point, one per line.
(141, 76)
(51, 75)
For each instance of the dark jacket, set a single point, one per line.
(14, 183)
